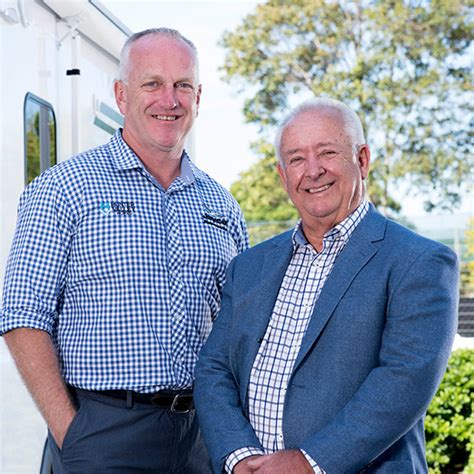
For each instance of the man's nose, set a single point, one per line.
(314, 167)
(167, 98)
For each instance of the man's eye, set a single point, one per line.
(151, 84)
(184, 85)
(295, 160)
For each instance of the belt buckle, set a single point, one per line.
(176, 401)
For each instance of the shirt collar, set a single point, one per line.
(126, 159)
(189, 171)
(341, 231)
(123, 156)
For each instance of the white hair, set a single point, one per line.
(351, 121)
(168, 32)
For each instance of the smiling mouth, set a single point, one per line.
(319, 189)
(166, 118)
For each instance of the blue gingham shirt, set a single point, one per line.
(273, 365)
(125, 275)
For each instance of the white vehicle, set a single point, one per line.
(59, 60)
(58, 63)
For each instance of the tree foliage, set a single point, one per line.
(33, 167)
(467, 265)
(259, 191)
(401, 64)
(34, 163)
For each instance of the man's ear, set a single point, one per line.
(120, 96)
(363, 159)
(282, 174)
(198, 99)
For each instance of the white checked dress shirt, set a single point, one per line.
(273, 365)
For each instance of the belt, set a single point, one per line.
(177, 401)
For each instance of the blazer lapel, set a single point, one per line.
(359, 250)
(273, 269)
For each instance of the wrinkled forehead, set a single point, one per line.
(316, 121)
(315, 125)
(161, 47)
(161, 40)
(320, 117)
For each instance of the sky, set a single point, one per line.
(221, 138)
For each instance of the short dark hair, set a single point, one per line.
(169, 32)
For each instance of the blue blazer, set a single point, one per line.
(370, 362)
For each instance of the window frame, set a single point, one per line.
(44, 138)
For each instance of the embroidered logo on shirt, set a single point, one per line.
(215, 219)
(105, 208)
(118, 207)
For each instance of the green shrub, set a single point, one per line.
(450, 418)
(260, 231)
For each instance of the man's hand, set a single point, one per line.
(281, 462)
(36, 359)
(242, 466)
(59, 427)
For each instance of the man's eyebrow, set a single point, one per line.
(150, 77)
(298, 149)
(323, 144)
(159, 78)
(291, 151)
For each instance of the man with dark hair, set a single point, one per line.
(332, 338)
(115, 276)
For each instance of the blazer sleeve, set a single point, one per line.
(216, 391)
(421, 321)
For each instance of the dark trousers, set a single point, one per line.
(107, 436)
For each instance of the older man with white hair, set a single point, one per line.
(332, 337)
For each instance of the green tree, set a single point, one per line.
(467, 267)
(259, 191)
(401, 64)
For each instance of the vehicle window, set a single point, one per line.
(39, 136)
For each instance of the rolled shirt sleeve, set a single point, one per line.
(36, 267)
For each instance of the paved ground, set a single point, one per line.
(22, 431)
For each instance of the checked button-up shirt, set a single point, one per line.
(125, 275)
(303, 281)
